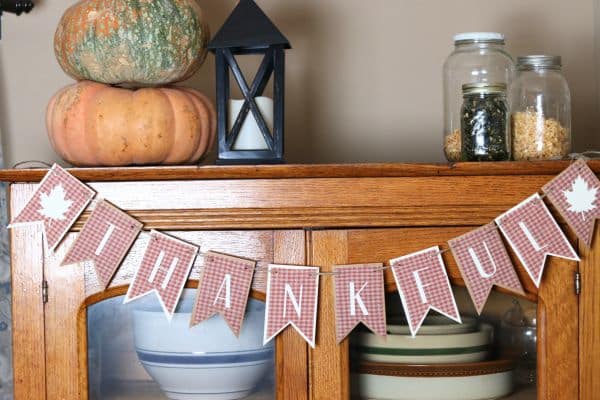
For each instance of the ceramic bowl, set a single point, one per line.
(425, 349)
(466, 381)
(206, 362)
(436, 325)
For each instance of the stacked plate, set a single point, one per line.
(445, 361)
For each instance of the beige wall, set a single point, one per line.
(363, 78)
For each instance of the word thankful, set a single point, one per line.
(292, 291)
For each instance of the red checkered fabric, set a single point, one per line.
(75, 192)
(302, 287)
(533, 234)
(167, 277)
(423, 285)
(105, 239)
(582, 223)
(223, 288)
(484, 262)
(359, 297)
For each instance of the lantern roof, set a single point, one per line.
(248, 27)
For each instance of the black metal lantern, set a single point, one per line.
(249, 31)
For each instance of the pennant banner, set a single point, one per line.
(484, 262)
(359, 297)
(423, 285)
(292, 296)
(533, 234)
(223, 288)
(574, 193)
(105, 239)
(164, 270)
(57, 203)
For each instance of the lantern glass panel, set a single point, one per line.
(250, 137)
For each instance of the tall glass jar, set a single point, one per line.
(478, 57)
(541, 104)
(485, 122)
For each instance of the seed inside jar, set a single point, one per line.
(538, 138)
(452, 145)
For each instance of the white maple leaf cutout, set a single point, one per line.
(54, 204)
(581, 197)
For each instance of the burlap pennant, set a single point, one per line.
(104, 240)
(484, 262)
(292, 296)
(164, 269)
(423, 285)
(359, 297)
(533, 234)
(574, 193)
(223, 289)
(57, 203)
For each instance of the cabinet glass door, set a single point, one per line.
(135, 352)
(519, 348)
(490, 356)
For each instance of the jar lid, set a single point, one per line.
(483, 88)
(478, 37)
(539, 61)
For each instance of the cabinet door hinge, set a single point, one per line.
(44, 291)
(577, 283)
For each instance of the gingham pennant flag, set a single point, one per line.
(104, 240)
(574, 193)
(292, 296)
(484, 262)
(533, 234)
(359, 297)
(164, 270)
(57, 203)
(423, 285)
(223, 289)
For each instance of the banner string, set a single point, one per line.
(585, 156)
(493, 226)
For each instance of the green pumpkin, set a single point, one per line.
(147, 42)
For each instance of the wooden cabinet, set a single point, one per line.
(308, 215)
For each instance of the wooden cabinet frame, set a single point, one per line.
(316, 215)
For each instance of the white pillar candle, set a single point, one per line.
(250, 136)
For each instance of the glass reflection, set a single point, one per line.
(135, 352)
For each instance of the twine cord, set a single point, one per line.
(573, 157)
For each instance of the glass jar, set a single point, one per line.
(541, 104)
(518, 341)
(485, 122)
(478, 57)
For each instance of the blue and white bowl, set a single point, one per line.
(206, 362)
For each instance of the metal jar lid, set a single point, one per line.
(478, 37)
(538, 61)
(483, 88)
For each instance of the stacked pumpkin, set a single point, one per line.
(123, 52)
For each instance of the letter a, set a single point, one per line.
(227, 284)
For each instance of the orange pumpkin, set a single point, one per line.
(92, 124)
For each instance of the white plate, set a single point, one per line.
(477, 387)
(437, 325)
(425, 349)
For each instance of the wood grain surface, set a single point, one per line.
(329, 360)
(29, 345)
(291, 351)
(291, 171)
(589, 319)
(315, 215)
